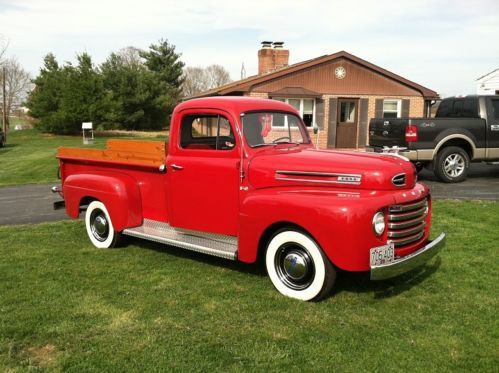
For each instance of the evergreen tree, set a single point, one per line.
(126, 82)
(133, 89)
(44, 100)
(165, 86)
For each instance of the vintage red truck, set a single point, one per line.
(240, 179)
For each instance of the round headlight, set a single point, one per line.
(379, 223)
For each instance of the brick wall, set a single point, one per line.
(416, 109)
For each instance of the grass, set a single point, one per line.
(29, 156)
(65, 305)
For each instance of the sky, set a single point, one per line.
(442, 45)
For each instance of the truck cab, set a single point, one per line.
(465, 129)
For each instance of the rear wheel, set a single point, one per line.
(99, 226)
(297, 266)
(452, 164)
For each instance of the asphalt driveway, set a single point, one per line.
(31, 204)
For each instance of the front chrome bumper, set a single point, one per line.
(408, 262)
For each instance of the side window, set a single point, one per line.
(465, 108)
(495, 108)
(206, 132)
(445, 108)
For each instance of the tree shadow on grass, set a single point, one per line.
(359, 282)
(256, 269)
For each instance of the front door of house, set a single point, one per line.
(346, 129)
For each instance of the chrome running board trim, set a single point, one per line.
(207, 243)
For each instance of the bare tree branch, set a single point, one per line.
(17, 84)
(198, 79)
(4, 44)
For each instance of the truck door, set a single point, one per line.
(204, 175)
(493, 127)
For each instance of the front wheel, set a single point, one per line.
(297, 266)
(99, 226)
(451, 164)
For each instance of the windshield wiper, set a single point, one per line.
(260, 145)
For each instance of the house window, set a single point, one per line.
(347, 112)
(305, 106)
(391, 108)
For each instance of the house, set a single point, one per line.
(488, 84)
(340, 92)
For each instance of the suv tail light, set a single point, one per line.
(411, 133)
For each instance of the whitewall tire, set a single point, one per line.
(297, 266)
(99, 226)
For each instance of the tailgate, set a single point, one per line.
(387, 132)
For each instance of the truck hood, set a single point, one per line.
(279, 167)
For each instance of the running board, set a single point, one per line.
(207, 243)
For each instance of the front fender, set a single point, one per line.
(119, 193)
(340, 221)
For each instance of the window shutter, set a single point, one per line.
(319, 112)
(363, 110)
(331, 128)
(378, 108)
(405, 108)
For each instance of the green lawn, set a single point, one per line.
(29, 156)
(65, 305)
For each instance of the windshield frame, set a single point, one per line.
(300, 127)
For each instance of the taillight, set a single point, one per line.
(411, 133)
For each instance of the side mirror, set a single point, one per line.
(316, 128)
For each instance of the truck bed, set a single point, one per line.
(131, 152)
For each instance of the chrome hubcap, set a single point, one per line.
(454, 165)
(294, 266)
(99, 225)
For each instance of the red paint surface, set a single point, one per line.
(208, 195)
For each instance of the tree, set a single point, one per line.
(46, 95)
(217, 75)
(127, 83)
(198, 79)
(64, 97)
(132, 89)
(166, 74)
(4, 44)
(17, 85)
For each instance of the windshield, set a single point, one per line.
(272, 128)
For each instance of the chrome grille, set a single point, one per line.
(398, 180)
(406, 222)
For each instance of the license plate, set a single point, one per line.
(382, 254)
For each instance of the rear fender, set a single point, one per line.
(119, 193)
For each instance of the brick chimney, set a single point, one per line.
(272, 56)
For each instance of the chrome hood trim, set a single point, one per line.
(318, 177)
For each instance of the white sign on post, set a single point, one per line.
(87, 126)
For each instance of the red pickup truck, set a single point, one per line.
(240, 179)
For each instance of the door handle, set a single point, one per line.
(177, 167)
